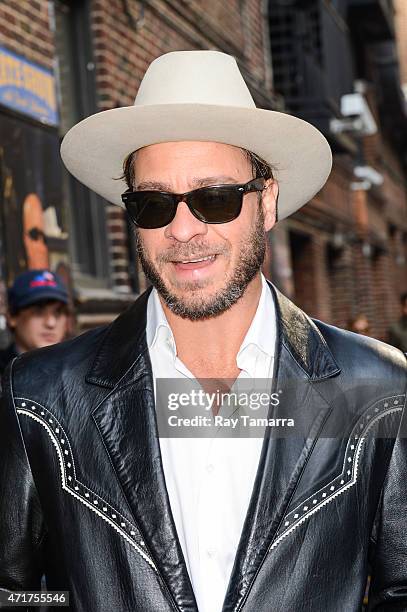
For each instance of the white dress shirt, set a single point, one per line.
(210, 480)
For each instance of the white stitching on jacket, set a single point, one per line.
(68, 475)
(355, 443)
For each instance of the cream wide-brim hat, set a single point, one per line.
(198, 96)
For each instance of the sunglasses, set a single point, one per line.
(213, 204)
(36, 234)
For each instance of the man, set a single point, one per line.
(398, 331)
(125, 520)
(37, 313)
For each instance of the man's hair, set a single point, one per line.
(403, 298)
(14, 311)
(260, 169)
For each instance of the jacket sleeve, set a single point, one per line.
(388, 590)
(21, 521)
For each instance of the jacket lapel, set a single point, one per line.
(127, 423)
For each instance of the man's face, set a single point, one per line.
(39, 325)
(233, 251)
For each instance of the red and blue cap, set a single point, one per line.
(36, 286)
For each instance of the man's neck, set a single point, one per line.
(209, 347)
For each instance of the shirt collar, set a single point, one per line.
(261, 334)
(158, 329)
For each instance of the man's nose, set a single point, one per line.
(185, 226)
(50, 319)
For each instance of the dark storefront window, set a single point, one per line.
(32, 220)
(77, 93)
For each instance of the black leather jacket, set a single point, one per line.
(7, 355)
(83, 497)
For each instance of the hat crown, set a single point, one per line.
(34, 286)
(194, 77)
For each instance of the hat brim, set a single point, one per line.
(94, 149)
(41, 296)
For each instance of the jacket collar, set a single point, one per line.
(122, 346)
(126, 341)
(300, 335)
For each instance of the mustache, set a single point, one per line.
(186, 251)
(182, 251)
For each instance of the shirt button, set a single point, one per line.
(211, 552)
(210, 467)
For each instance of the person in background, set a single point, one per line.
(398, 331)
(360, 325)
(38, 312)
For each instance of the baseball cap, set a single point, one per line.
(35, 286)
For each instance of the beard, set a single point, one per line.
(193, 304)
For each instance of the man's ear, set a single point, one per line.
(269, 203)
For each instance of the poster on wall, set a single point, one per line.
(33, 227)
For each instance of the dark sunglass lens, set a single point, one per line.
(216, 204)
(150, 209)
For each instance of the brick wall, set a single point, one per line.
(25, 29)
(129, 34)
(348, 247)
(341, 275)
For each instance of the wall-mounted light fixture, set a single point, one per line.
(357, 117)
